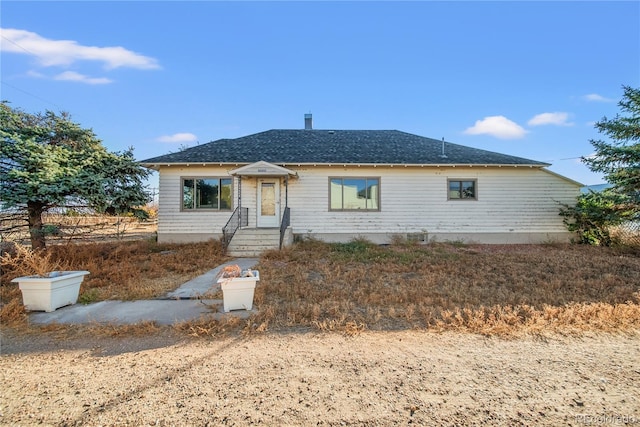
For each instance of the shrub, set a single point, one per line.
(594, 214)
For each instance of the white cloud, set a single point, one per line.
(37, 75)
(596, 98)
(77, 77)
(558, 119)
(65, 52)
(498, 126)
(178, 137)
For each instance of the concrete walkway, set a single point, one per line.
(188, 302)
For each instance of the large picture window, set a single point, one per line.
(353, 194)
(206, 193)
(462, 189)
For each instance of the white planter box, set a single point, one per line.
(237, 292)
(49, 293)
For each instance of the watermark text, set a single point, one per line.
(608, 419)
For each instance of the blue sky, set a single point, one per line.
(522, 78)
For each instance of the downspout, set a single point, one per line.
(239, 201)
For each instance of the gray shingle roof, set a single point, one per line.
(337, 147)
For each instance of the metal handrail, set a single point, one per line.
(284, 224)
(239, 218)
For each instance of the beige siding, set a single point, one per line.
(412, 200)
(172, 220)
(415, 199)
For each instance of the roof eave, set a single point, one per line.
(157, 165)
(530, 165)
(572, 181)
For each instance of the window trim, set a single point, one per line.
(378, 209)
(461, 180)
(195, 209)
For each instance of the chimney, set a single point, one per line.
(308, 121)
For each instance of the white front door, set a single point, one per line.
(268, 202)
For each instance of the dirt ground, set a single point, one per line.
(305, 378)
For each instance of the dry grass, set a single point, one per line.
(137, 329)
(206, 327)
(487, 289)
(22, 261)
(119, 270)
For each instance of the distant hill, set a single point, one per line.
(596, 188)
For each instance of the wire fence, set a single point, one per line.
(66, 228)
(627, 234)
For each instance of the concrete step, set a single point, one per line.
(249, 242)
(244, 254)
(249, 251)
(247, 238)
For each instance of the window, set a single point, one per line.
(206, 193)
(462, 190)
(352, 194)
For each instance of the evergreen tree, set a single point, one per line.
(619, 158)
(48, 161)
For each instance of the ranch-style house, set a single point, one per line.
(261, 190)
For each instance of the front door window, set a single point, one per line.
(268, 199)
(268, 203)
